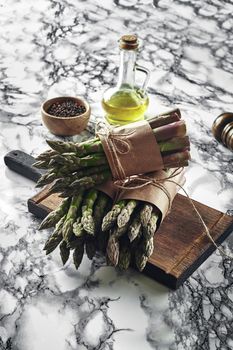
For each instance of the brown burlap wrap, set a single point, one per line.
(131, 149)
(159, 193)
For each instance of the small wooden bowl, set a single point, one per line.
(65, 126)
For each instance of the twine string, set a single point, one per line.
(207, 231)
(116, 144)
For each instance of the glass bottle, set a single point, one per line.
(126, 103)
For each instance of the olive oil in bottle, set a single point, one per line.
(126, 103)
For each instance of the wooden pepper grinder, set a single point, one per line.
(222, 129)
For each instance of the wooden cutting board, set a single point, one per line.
(181, 245)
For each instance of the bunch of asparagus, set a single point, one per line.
(88, 222)
(79, 166)
(77, 223)
(130, 226)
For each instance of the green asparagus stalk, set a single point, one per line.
(174, 144)
(74, 241)
(176, 158)
(165, 118)
(64, 252)
(74, 163)
(47, 178)
(124, 255)
(90, 248)
(54, 216)
(45, 156)
(151, 227)
(67, 230)
(81, 149)
(148, 246)
(87, 182)
(87, 212)
(110, 219)
(102, 237)
(78, 229)
(117, 232)
(143, 251)
(61, 184)
(78, 254)
(124, 216)
(113, 250)
(134, 228)
(100, 209)
(140, 259)
(169, 131)
(42, 164)
(145, 214)
(56, 237)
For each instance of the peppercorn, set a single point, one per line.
(67, 108)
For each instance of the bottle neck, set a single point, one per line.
(127, 68)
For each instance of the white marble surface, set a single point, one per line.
(54, 47)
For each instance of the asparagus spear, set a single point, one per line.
(102, 237)
(148, 246)
(111, 217)
(143, 251)
(145, 214)
(124, 216)
(81, 149)
(74, 242)
(45, 156)
(42, 164)
(55, 215)
(176, 158)
(99, 209)
(90, 248)
(64, 252)
(113, 243)
(124, 255)
(87, 182)
(61, 184)
(62, 181)
(140, 259)
(87, 212)
(113, 250)
(47, 178)
(174, 144)
(67, 229)
(151, 227)
(167, 132)
(56, 237)
(78, 254)
(134, 227)
(165, 118)
(73, 162)
(78, 229)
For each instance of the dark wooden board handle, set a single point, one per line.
(21, 163)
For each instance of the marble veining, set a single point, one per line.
(55, 47)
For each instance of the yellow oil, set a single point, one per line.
(124, 106)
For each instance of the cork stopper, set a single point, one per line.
(129, 42)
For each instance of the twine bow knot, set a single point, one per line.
(116, 144)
